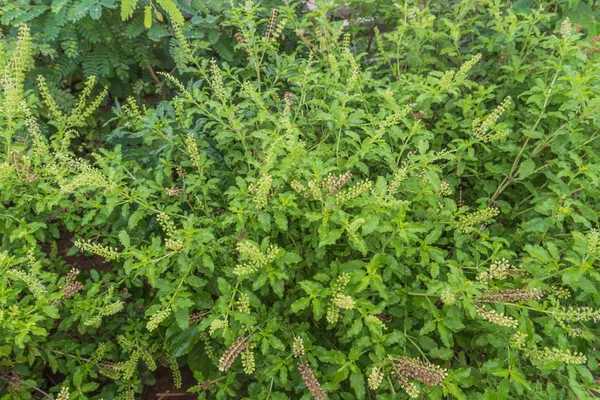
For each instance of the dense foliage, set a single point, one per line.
(122, 44)
(403, 206)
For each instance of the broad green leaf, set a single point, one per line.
(300, 304)
(539, 253)
(328, 236)
(182, 317)
(124, 238)
(357, 381)
(244, 318)
(355, 328)
(526, 168)
(224, 286)
(281, 220)
(180, 342)
(198, 361)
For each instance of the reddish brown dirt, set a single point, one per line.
(164, 390)
(81, 261)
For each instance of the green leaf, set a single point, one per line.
(327, 236)
(196, 281)
(523, 6)
(277, 285)
(124, 238)
(357, 381)
(445, 335)
(207, 262)
(51, 311)
(313, 216)
(198, 361)
(359, 243)
(455, 391)
(377, 284)
(395, 337)
(5, 350)
(291, 258)
(276, 343)
(537, 225)
(300, 304)
(127, 8)
(539, 253)
(264, 218)
(90, 387)
(51, 360)
(182, 317)
(95, 275)
(259, 281)
(526, 169)
(355, 328)
(310, 287)
(78, 377)
(180, 342)
(148, 17)
(435, 270)
(427, 328)
(453, 324)
(443, 353)
(135, 218)
(433, 236)
(370, 225)
(244, 318)
(95, 11)
(281, 220)
(318, 309)
(171, 8)
(224, 286)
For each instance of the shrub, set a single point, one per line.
(321, 222)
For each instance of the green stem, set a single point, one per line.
(337, 147)
(514, 169)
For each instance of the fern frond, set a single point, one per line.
(135, 27)
(127, 8)
(69, 43)
(89, 64)
(78, 11)
(61, 16)
(171, 8)
(51, 28)
(64, 66)
(92, 32)
(58, 5)
(224, 51)
(104, 61)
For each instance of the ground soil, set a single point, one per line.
(80, 261)
(164, 390)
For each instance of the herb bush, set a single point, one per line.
(330, 221)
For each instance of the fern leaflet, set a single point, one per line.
(127, 8)
(171, 8)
